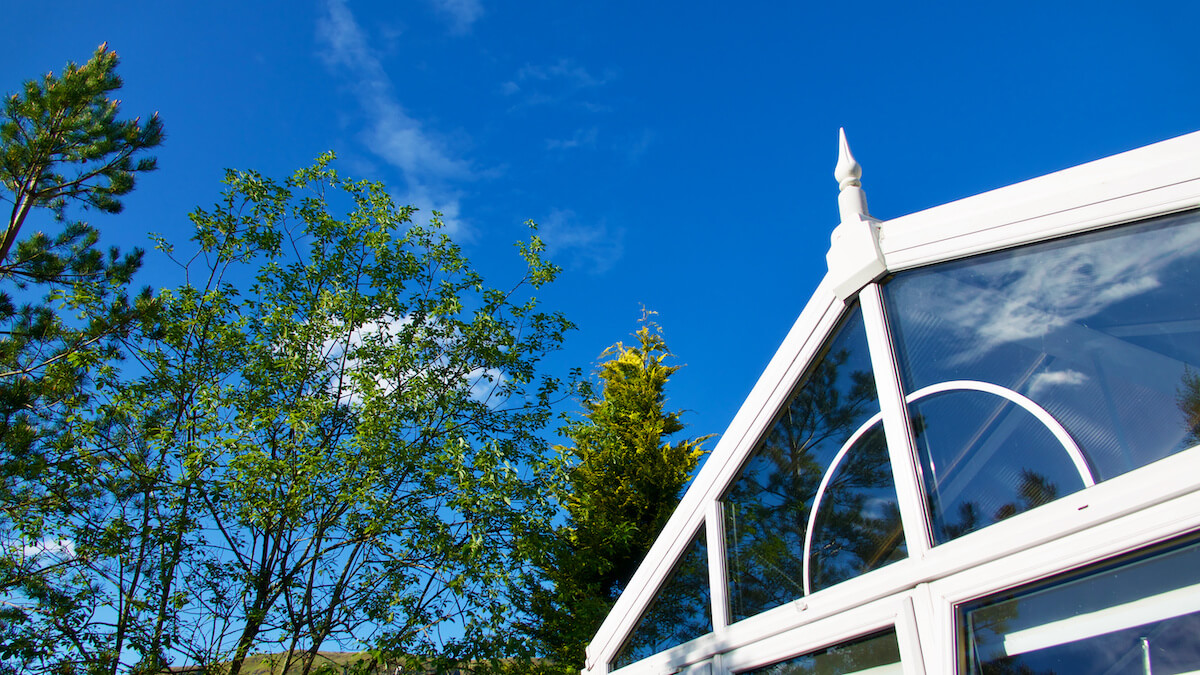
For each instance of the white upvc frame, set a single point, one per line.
(895, 612)
(1151, 181)
(1112, 533)
(897, 428)
(1078, 529)
(817, 320)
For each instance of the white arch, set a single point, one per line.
(1056, 429)
(837, 459)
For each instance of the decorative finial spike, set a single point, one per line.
(855, 257)
(848, 171)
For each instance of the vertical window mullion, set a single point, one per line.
(908, 638)
(897, 428)
(719, 588)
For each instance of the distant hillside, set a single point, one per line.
(328, 663)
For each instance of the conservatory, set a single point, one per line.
(975, 452)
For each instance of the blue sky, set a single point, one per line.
(678, 155)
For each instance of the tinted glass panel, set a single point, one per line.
(1101, 330)
(877, 654)
(986, 459)
(767, 506)
(680, 611)
(1139, 617)
(857, 528)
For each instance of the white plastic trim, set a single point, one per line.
(854, 258)
(897, 428)
(812, 512)
(1150, 181)
(1057, 429)
(908, 637)
(1108, 537)
(925, 640)
(1060, 434)
(894, 612)
(717, 579)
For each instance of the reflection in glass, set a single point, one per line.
(1101, 330)
(767, 506)
(879, 654)
(986, 459)
(857, 526)
(680, 611)
(1137, 617)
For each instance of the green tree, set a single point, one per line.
(62, 142)
(1187, 398)
(625, 479)
(342, 425)
(65, 305)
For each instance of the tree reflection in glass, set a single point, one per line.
(768, 505)
(681, 609)
(879, 654)
(858, 526)
(985, 459)
(1100, 330)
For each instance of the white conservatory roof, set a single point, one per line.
(1021, 356)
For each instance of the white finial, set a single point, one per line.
(852, 201)
(848, 171)
(854, 256)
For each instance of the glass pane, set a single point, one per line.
(1101, 330)
(986, 459)
(876, 654)
(767, 505)
(858, 526)
(680, 611)
(1137, 617)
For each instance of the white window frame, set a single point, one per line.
(892, 612)
(1150, 504)
(1121, 519)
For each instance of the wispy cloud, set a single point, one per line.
(637, 146)
(581, 138)
(426, 164)
(460, 13)
(594, 248)
(554, 84)
(1006, 302)
(565, 70)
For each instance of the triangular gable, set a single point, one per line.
(1146, 183)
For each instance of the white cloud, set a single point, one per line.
(595, 248)
(62, 549)
(445, 201)
(461, 13)
(425, 162)
(335, 351)
(485, 384)
(1055, 378)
